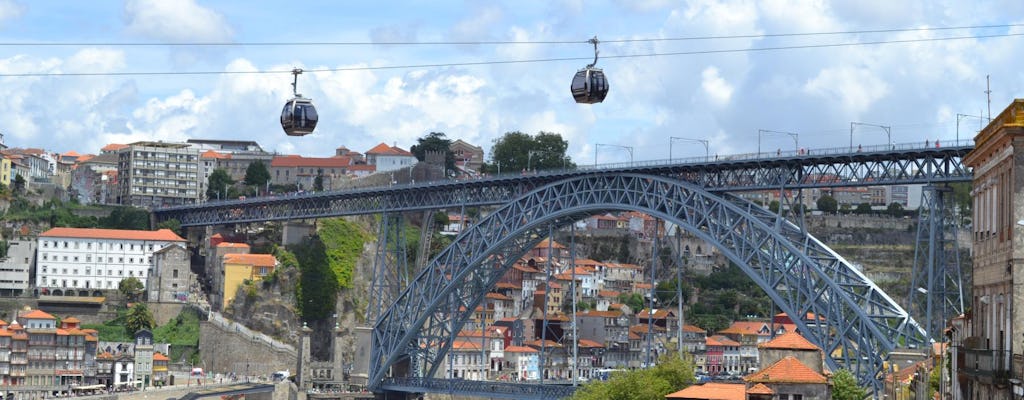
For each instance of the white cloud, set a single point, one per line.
(716, 88)
(9, 9)
(176, 21)
(856, 89)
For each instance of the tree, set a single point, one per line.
(434, 141)
(862, 208)
(19, 183)
(827, 204)
(318, 182)
(773, 206)
(895, 209)
(173, 224)
(671, 374)
(138, 318)
(217, 184)
(257, 174)
(130, 287)
(517, 151)
(126, 218)
(845, 386)
(318, 284)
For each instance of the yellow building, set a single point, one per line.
(241, 267)
(5, 171)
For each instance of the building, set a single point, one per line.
(154, 174)
(389, 158)
(239, 268)
(467, 156)
(5, 171)
(94, 180)
(39, 357)
(160, 369)
(522, 362)
(97, 259)
(788, 378)
(15, 268)
(712, 391)
(233, 156)
(143, 359)
(990, 352)
(302, 171)
(172, 275)
(215, 266)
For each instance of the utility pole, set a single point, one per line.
(988, 95)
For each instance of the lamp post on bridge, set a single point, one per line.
(701, 141)
(887, 129)
(627, 148)
(761, 132)
(962, 116)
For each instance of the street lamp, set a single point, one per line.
(701, 141)
(962, 116)
(794, 136)
(888, 133)
(627, 148)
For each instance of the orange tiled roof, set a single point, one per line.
(554, 245)
(257, 260)
(747, 328)
(105, 356)
(520, 349)
(547, 343)
(760, 388)
(465, 345)
(607, 293)
(383, 148)
(601, 314)
(692, 328)
(658, 313)
(118, 234)
(300, 161)
(719, 340)
(497, 296)
(790, 341)
(229, 244)
(786, 370)
(72, 320)
(37, 314)
(589, 343)
(506, 285)
(215, 155)
(114, 147)
(711, 391)
(160, 357)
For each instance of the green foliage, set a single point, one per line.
(434, 141)
(344, 245)
(183, 330)
(257, 174)
(138, 318)
(515, 150)
(56, 212)
(126, 218)
(318, 284)
(827, 204)
(318, 182)
(721, 299)
(19, 184)
(634, 300)
(845, 386)
(773, 206)
(217, 184)
(670, 375)
(894, 209)
(173, 224)
(862, 209)
(130, 287)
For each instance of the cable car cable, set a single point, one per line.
(498, 62)
(504, 42)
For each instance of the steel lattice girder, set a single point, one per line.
(833, 170)
(488, 389)
(861, 323)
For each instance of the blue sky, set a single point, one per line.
(725, 98)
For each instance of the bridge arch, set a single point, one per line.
(799, 273)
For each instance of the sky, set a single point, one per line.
(734, 94)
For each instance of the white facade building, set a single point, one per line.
(84, 259)
(14, 269)
(389, 158)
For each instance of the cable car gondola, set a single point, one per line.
(590, 86)
(299, 117)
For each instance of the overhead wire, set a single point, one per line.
(507, 42)
(527, 61)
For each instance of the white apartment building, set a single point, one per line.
(152, 174)
(97, 259)
(389, 158)
(14, 269)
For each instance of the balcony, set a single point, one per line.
(986, 365)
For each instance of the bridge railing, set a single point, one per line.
(506, 390)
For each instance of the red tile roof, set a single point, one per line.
(760, 388)
(37, 314)
(257, 260)
(789, 341)
(544, 245)
(747, 328)
(383, 148)
(786, 370)
(160, 357)
(114, 147)
(719, 340)
(117, 234)
(692, 328)
(520, 349)
(300, 161)
(230, 244)
(215, 155)
(711, 391)
(465, 345)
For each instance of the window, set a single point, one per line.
(174, 274)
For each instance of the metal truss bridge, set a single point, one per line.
(420, 317)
